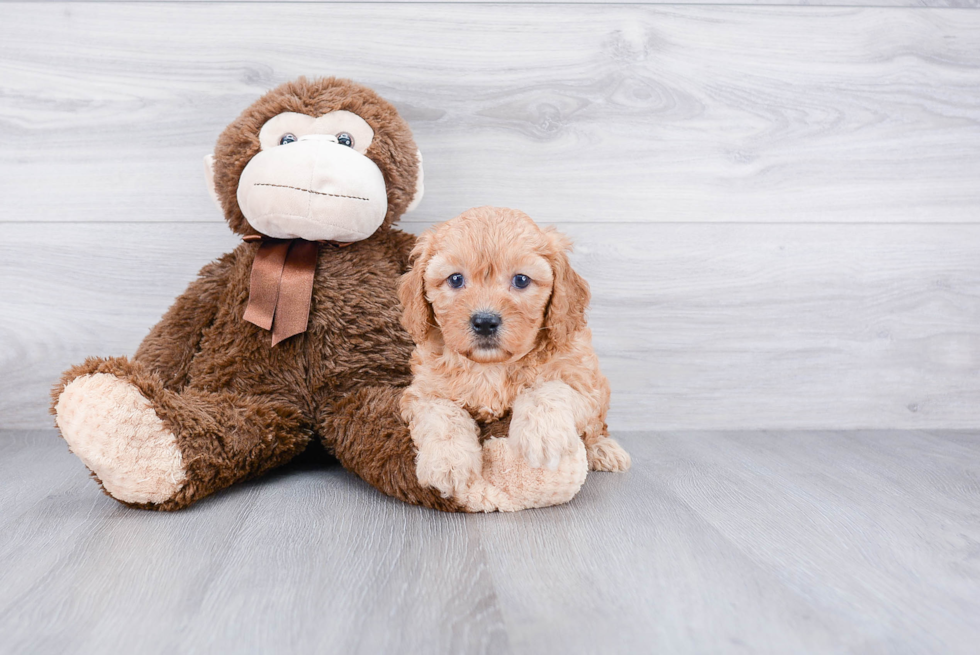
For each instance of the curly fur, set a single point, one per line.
(541, 366)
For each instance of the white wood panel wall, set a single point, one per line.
(816, 3)
(778, 207)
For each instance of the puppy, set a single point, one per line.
(498, 318)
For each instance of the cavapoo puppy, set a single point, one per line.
(498, 318)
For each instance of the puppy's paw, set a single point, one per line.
(481, 496)
(542, 432)
(607, 455)
(448, 466)
(447, 441)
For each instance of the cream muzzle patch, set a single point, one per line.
(315, 189)
(286, 196)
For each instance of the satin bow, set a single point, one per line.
(281, 285)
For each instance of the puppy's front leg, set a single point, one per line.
(546, 422)
(448, 443)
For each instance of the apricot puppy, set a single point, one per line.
(498, 318)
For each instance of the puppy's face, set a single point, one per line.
(488, 278)
(488, 283)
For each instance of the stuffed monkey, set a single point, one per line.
(294, 335)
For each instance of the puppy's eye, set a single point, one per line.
(345, 139)
(521, 281)
(288, 137)
(455, 280)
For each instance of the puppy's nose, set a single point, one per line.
(485, 324)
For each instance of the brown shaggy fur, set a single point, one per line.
(238, 407)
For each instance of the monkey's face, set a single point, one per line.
(312, 179)
(322, 160)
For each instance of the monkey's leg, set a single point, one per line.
(366, 433)
(153, 448)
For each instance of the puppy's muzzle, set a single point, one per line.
(485, 324)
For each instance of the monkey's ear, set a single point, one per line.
(209, 178)
(565, 314)
(417, 316)
(419, 187)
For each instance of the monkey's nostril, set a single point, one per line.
(485, 324)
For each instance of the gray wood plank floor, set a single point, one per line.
(714, 542)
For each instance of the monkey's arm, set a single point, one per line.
(366, 433)
(403, 242)
(371, 440)
(171, 344)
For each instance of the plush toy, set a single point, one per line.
(293, 336)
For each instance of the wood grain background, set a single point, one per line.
(778, 206)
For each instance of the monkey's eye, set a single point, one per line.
(521, 281)
(345, 139)
(288, 137)
(456, 280)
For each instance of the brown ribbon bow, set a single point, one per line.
(281, 285)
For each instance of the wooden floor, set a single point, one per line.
(715, 542)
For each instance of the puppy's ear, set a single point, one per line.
(565, 314)
(417, 316)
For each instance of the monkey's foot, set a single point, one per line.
(510, 484)
(113, 429)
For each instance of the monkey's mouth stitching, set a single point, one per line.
(319, 193)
